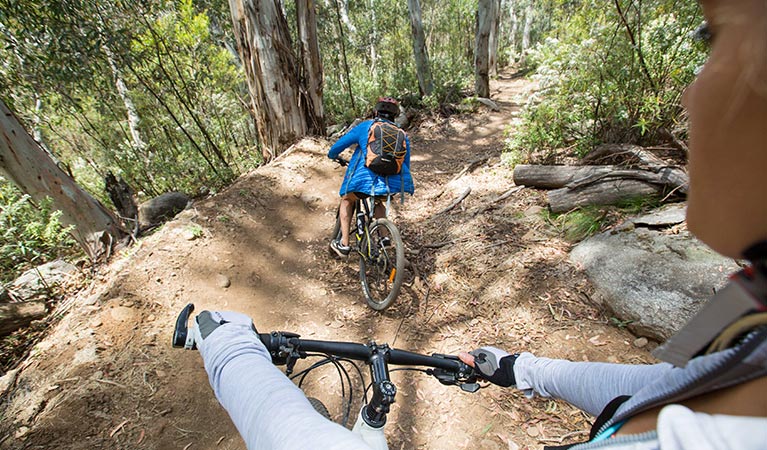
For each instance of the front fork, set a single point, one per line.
(373, 437)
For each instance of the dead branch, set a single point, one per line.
(456, 202)
(605, 193)
(499, 199)
(470, 167)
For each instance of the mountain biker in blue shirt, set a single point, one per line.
(361, 182)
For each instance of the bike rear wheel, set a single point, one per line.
(382, 265)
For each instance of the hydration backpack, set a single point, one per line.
(386, 148)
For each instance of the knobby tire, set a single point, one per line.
(382, 269)
(319, 407)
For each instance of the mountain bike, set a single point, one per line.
(287, 348)
(382, 253)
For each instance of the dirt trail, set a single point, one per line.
(490, 273)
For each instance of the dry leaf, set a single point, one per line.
(595, 341)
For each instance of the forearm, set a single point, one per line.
(269, 411)
(345, 141)
(589, 386)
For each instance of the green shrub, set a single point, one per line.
(30, 234)
(578, 224)
(596, 86)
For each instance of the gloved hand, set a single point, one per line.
(207, 322)
(493, 364)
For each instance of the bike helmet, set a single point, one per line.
(387, 106)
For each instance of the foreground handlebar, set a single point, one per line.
(286, 347)
(277, 342)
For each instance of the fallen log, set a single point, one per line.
(553, 177)
(602, 193)
(16, 315)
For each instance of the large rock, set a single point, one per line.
(656, 280)
(35, 284)
(162, 208)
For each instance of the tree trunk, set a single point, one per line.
(420, 51)
(528, 27)
(492, 45)
(373, 40)
(481, 53)
(133, 118)
(123, 197)
(33, 171)
(263, 40)
(513, 29)
(344, 59)
(605, 193)
(311, 66)
(552, 177)
(16, 315)
(345, 16)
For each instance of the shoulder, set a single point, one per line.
(365, 124)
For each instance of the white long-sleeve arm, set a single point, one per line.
(589, 386)
(269, 411)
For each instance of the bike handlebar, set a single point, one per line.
(286, 347)
(276, 342)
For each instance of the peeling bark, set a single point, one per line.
(425, 83)
(35, 173)
(264, 44)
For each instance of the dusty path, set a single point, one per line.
(484, 272)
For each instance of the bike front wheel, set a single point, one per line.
(382, 264)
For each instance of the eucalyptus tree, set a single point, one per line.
(271, 67)
(31, 169)
(485, 23)
(420, 52)
(311, 66)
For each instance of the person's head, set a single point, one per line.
(387, 108)
(727, 106)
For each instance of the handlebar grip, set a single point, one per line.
(181, 332)
(342, 162)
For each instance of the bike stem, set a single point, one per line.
(384, 391)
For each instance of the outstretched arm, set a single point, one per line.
(345, 141)
(589, 386)
(269, 411)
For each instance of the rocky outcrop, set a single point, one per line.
(651, 277)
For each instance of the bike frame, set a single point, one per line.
(364, 213)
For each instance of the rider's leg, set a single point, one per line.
(345, 215)
(379, 211)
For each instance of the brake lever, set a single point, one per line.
(463, 378)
